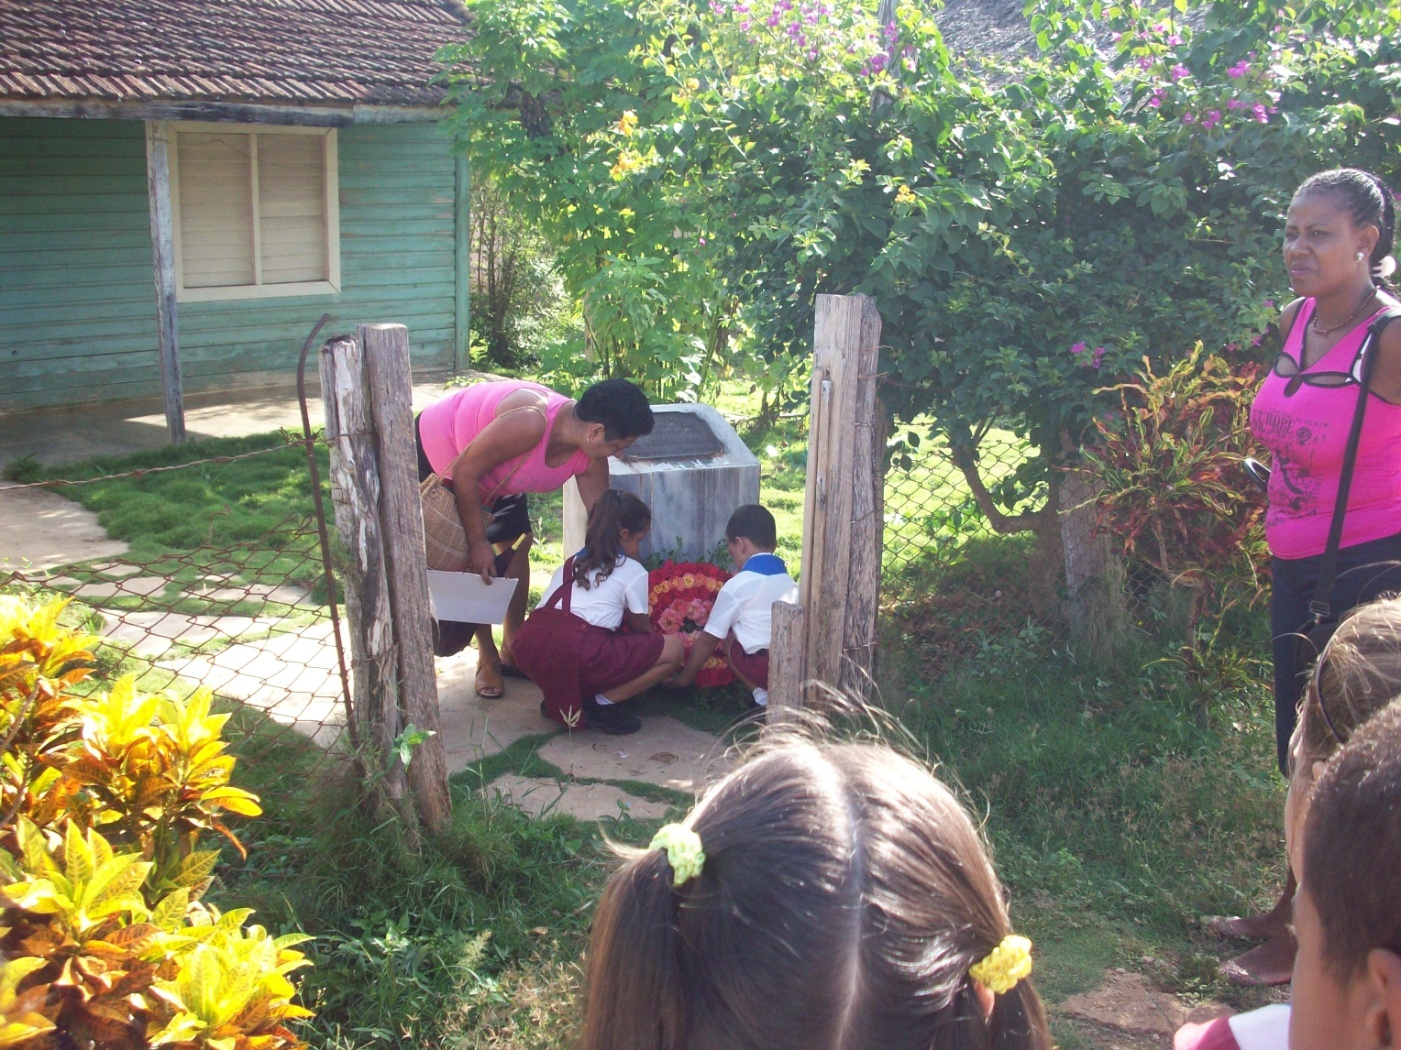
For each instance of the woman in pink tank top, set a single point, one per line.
(495, 442)
(1337, 248)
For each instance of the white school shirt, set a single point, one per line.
(745, 604)
(603, 603)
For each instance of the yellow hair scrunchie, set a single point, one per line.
(1004, 966)
(683, 852)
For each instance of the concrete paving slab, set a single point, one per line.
(293, 677)
(540, 796)
(285, 594)
(473, 727)
(664, 752)
(138, 587)
(152, 634)
(40, 529)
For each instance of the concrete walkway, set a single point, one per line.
(56, 436)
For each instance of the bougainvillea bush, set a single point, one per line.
(681, 595)
(103, 800)
(1029, 229)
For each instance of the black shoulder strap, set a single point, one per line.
(1321, 606)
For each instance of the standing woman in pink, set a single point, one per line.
(1338, 251)
(494, 442)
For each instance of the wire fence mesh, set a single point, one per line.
(250, 619)
(931, 514)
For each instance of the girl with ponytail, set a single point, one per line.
(571, 646)
(821, 895)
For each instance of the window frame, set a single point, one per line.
(258, 290)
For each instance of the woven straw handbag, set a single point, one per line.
(444, 538)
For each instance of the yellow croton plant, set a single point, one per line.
(104, 940)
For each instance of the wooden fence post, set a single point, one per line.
(386, 348)
(832, 640)
(355, 491)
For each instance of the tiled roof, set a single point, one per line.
(363, 52)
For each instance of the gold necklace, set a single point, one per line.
(1350, 317)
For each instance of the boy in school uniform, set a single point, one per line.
(1347, 911)
(741, 619)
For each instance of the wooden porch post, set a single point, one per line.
(462, 278)
(163, 259)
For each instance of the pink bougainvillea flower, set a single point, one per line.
(1238, 70)
(1235, 103)
(1156, 100)
(1174, 40)
(1261, 113)
(1188, 118)
(1145, 62)
(1098, 356)
(1078, 348)
(1179, 72)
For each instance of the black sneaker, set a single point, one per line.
(612, 719)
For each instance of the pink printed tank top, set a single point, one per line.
(1303, 417)
(448, 425)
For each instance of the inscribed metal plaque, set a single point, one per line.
(676, 435)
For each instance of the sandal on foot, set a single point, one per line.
(488, 683)
(1265, 965)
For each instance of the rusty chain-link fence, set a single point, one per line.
(252, 619)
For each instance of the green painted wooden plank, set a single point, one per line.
(44, 185)
(78, 204)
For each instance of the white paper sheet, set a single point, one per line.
(463, 597)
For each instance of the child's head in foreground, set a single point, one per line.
(1347, 913)
(1357, 674)
(820, 896)
(750, 530)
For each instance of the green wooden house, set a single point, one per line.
(186, 186)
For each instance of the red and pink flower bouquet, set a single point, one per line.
(681, 595)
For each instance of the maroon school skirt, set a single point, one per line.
(570, 659)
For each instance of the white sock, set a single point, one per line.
(602, 701)
(761, 697)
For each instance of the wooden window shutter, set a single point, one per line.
(216, 210)
(292, 208)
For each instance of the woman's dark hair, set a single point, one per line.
(1357, 674)
(613, 512)
(1369, 202)
(620, 406)
(844, 896)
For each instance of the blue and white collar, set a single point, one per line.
(765, 564)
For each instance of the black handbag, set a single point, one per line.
(1323, 619)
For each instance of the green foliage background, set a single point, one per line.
(1120, 192)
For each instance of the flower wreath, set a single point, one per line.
(681, 595)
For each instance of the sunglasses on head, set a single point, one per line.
(1288, 368)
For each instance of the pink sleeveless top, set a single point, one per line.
(1306, 427)
(448, 425)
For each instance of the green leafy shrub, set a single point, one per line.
(104, 797)
(1173, 495)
